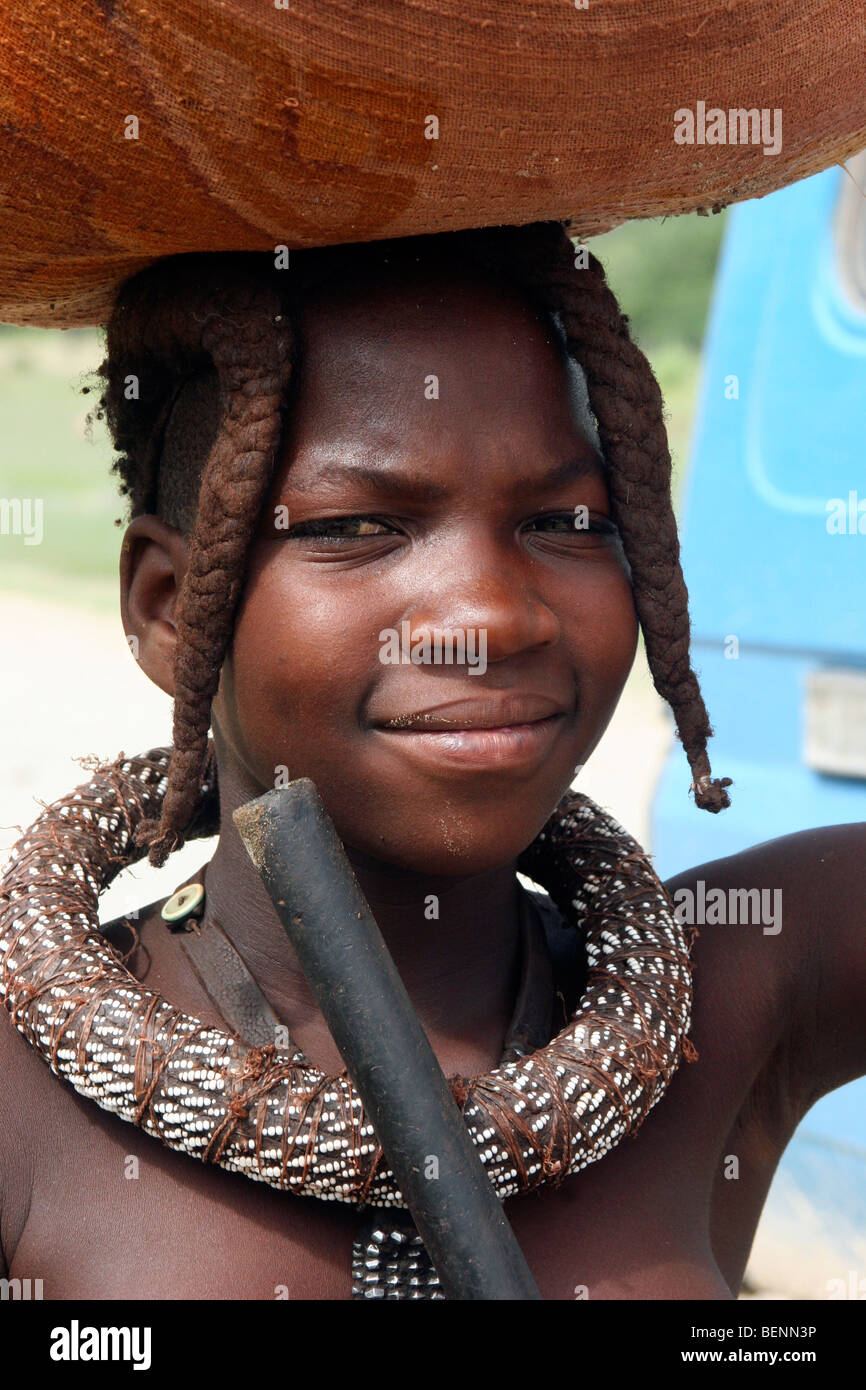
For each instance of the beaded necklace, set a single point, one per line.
(389, 1258)
(265, 1111)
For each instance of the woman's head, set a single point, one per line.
(399, 459)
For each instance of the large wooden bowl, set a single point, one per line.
(130, 129)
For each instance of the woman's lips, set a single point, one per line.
(507, 747)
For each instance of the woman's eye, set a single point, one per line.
(577, 523)
(340, 528)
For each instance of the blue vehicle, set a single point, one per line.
(774, 554)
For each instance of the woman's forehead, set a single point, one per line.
(428, 344)
(482, 441)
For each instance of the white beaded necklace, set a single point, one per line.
(266, 1112)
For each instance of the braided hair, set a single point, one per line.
(200, 351)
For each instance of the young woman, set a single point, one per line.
(454, 433)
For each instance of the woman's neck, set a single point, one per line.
(455, 943)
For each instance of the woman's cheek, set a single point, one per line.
(602, 608)
(602, 650)
(295, 681)
(622, 631)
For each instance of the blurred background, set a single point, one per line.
(755, 324)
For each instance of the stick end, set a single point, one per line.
(257, 819)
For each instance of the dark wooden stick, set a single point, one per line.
(293, 844)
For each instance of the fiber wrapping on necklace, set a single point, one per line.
(267, 1112)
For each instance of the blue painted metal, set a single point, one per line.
(781, 431)
(760, 563)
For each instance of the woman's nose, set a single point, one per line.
(498, 610)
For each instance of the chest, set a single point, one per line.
(118, 1216)
(670, 1213)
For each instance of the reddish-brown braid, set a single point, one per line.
(628, 406)
(181, 315)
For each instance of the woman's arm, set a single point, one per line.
(827, 870)
(805, 940)
(22, 1090)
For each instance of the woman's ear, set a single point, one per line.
(153, 562)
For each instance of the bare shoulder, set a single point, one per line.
(25, 1104)
(32, 1110)
(821, 852)
(794, 911)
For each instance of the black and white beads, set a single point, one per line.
(267, 1112)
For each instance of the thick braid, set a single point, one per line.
(238, 324)
(628, 406)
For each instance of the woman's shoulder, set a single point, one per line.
(34, 1106)
(809, 887)
(26, 1097)
(787, 919)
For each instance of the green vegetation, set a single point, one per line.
(46, 455)
(662, 273)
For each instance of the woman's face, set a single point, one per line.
(436, 498)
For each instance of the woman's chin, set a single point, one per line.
(450, 848)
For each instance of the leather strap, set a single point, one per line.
(225, 977)
(230, 985)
